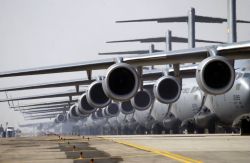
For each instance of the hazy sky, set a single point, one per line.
(37, 33)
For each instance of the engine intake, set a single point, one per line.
(80, 113)
(84, 106)
(96, 96)
(121, 82)
(60, 118)
(215, 75)
(112, 110)
(142, 100)
(126, 107)
(167, 89)
(72, 112)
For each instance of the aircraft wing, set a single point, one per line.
(66, 102)
(33, 124)
(46, 111)
(66, 83)
(51, 95)
(240, 50)
(163, 39)
(42, 116)
(44, 107)
(201, 19)
(148, 75)
(152, 74)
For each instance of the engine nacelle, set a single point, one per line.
(126, 107)
(68, 116)
(93, 116)
(72, 112)
(96, 96)
(167, 89)
(142, 100)
(60, 118)
(121, 82)
(112, 110)
(99, 113)
(79, 113)
(215, 75)
(83, 105)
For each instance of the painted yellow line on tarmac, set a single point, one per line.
(171, 155)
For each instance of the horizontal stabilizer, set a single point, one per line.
(159, 20)
(207, 19)
(130, 52)
(201, 19)
(163, 39)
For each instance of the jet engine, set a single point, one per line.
(167, 89)
(83, 105)
(60, 118)
(112, 110)
(72, 112)
(80, 113)
(126, 107)
(121, 82)
(215, 75)
(96, 96)
(142, 100)
(99, 113)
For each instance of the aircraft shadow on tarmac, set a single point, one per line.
(73, 149)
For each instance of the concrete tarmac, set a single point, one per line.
(126, 149)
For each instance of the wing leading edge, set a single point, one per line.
(240, 50)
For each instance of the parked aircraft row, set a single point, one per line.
(129, 98)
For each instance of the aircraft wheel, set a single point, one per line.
(140, 130)
(157, 129)
(190, 128)
(245, 127)
(211, 129)
(199, 130)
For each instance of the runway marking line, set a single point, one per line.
(171, 155)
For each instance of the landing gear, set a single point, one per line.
(126, 130)
(141, 130)
(211, 129)
(156, 129)
(245, 127)
(190, 128)
(199, 130)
